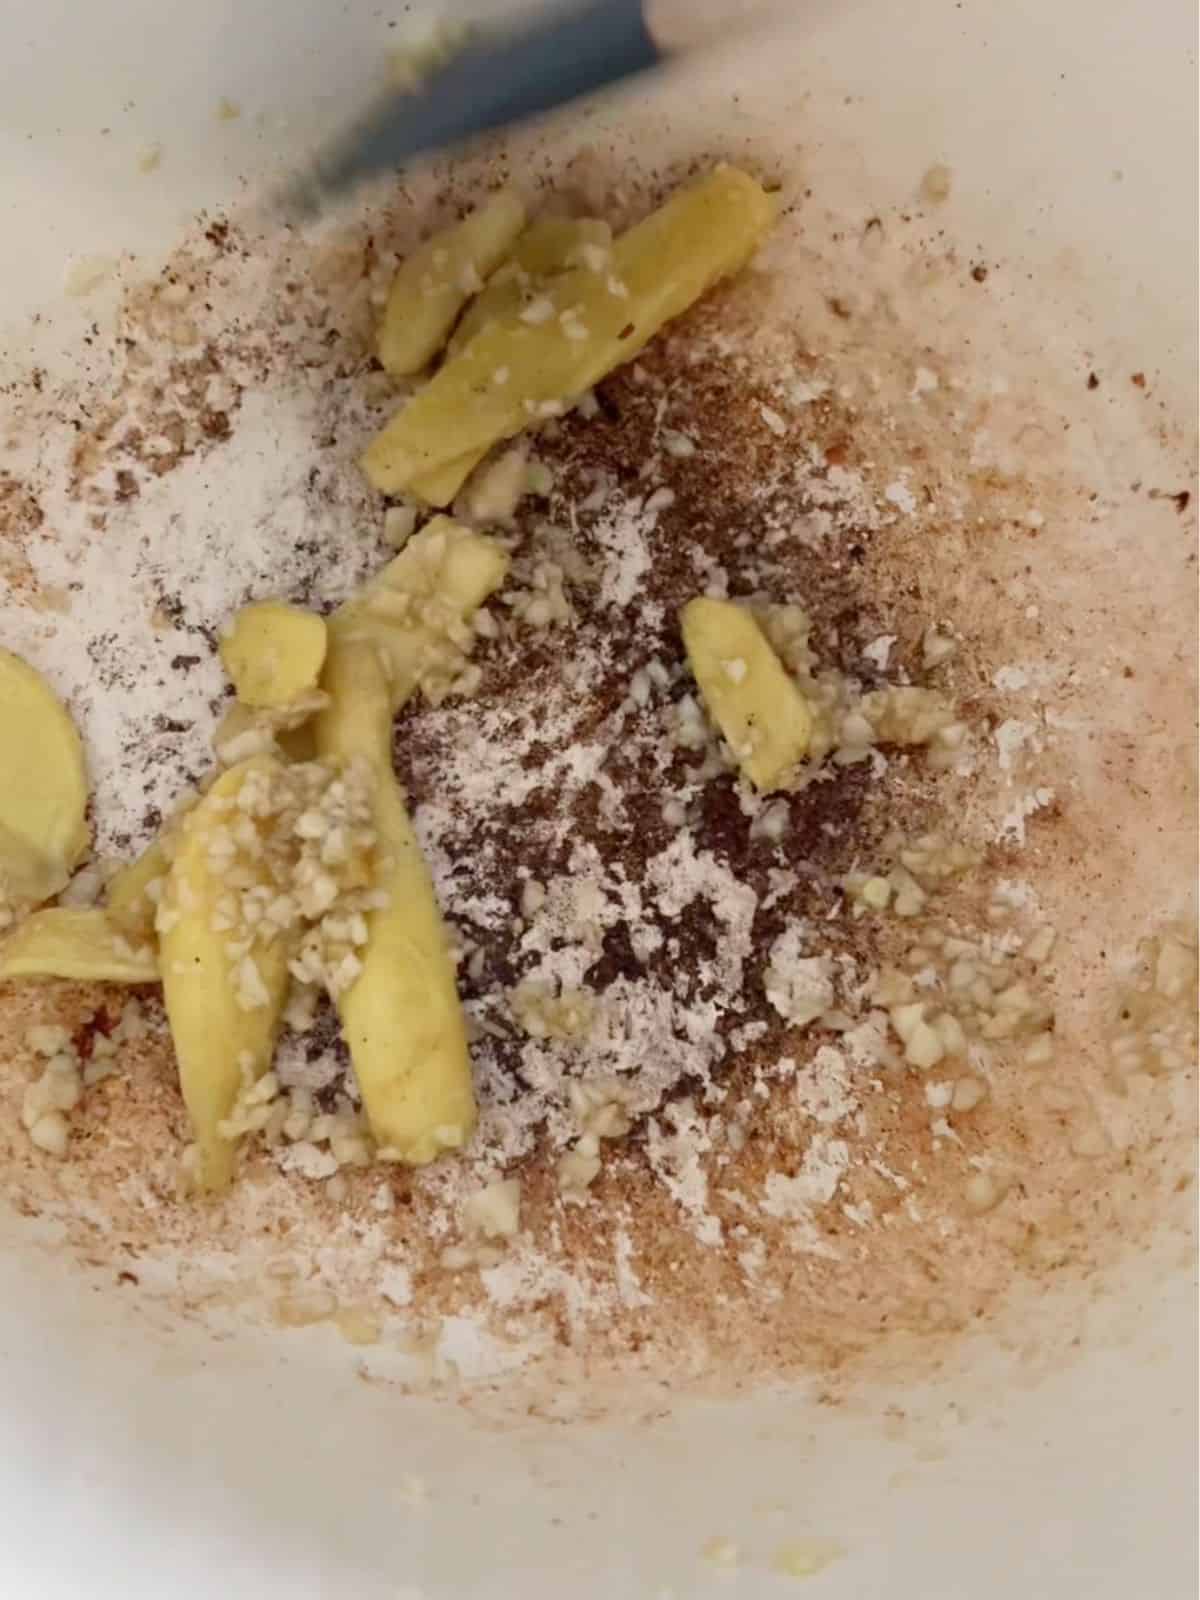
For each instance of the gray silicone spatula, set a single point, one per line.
(498, 78)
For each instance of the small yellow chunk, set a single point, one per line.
(43, 788)
(60, 942)
(436, 281)
(759, 709)
(224, 1017)
(589, 321)
(273, 653)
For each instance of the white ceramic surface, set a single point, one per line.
(137, 1459)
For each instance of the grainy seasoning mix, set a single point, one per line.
(760, 1078)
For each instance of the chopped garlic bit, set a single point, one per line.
(1155, 1031)
(51, 1098)
(577, 1171)
(984, 1191)
(771, 822)
(799, 987)
(601, 1106)
(955, 993)
(935, 648)
(493, 493)
(305, 1309)
(358, 1325)
(51, 1134)
(847, 725)
(968, 1093)
(494, 1212)
(545, 1011)
(533, 897)
(544, 604)
(678, 444)
(296, 854)
(908, 715)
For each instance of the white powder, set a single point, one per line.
(395, 1284)
(901, 496)
(307, 1161)
(1010, 680)
(676, 1142)
(629, 1288)
(173, 560)
(800, 987)
(467, 1350)
(798, 1198)
(1013, 736)
(879, 650)
(625, 539)
(1011, 827)
(867, 1043)
(823, 1087)
(802, 393)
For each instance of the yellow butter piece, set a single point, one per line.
(588, 322)
(84, 944)
(43, 788)
(759, 709)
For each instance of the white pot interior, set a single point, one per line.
(165, 1433)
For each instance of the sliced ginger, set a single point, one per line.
(588, 322)
(436, 281)
(223, 1004)
(129, 899)
(84, 944)
(416, 610)
(552, 245)
(402, 1018)
(273, 653)
(757, 706)
(406, 629)
(43, 789)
